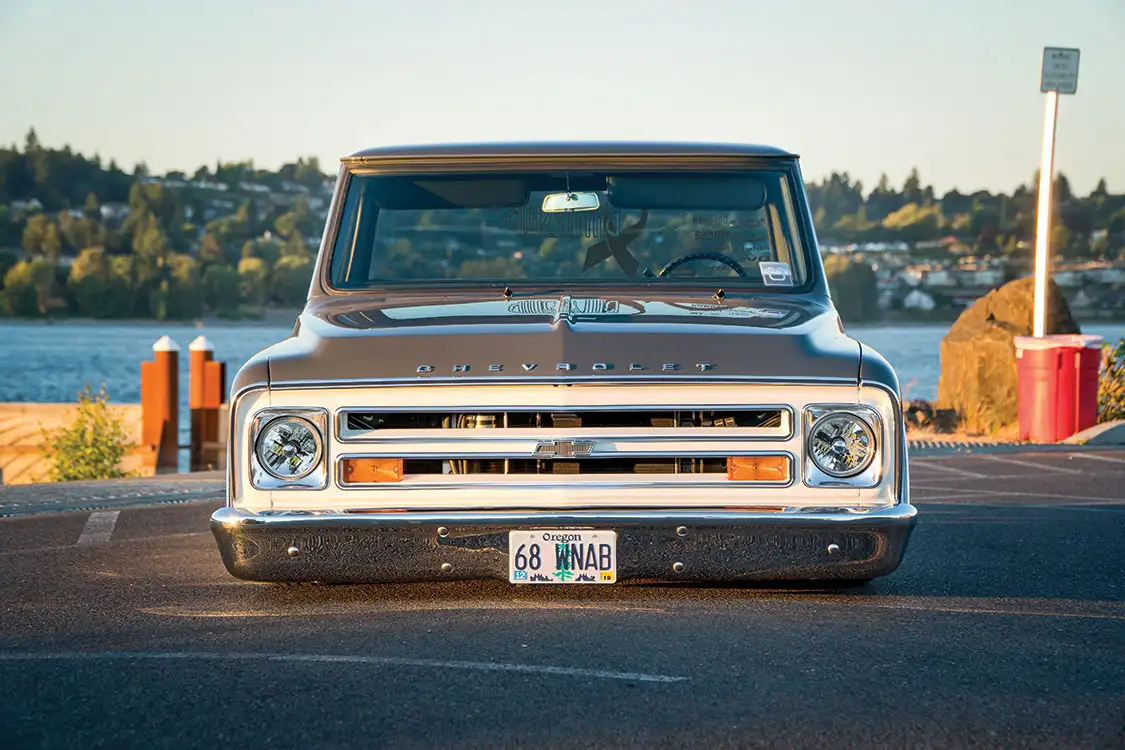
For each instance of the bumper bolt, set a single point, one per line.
(833, 548)
(447, 567)
(442, 531)
(677, 567)
(681, 531)
(293, 551)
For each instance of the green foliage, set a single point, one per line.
(1111, 383)
(18, 296)
(222, 289)
(268, 250)
(187, 294)
(101, 287)
(254, 275)
(291, 276)
(852, 283)
(8, 259)
(90, 447)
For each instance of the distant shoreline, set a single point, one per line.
(270, 318)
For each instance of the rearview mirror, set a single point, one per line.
(554, 203)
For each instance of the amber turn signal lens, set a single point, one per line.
(370, 470)
(758, 468)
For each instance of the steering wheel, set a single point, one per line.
(727, 261)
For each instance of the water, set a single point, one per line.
(50, 363)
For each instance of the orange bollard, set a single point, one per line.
(160, 404)
(205, 398)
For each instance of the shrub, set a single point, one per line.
(90, 447)
(1111, 383)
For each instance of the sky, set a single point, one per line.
(866, 87)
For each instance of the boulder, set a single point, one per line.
(978, 355)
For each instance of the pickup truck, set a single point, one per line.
(567, 363)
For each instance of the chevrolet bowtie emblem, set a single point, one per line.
(564, 448)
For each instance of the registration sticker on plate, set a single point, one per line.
(562, 556)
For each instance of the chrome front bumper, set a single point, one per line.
(702, 545)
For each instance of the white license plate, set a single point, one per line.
(562, 556)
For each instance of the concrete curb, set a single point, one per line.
(1107, 433)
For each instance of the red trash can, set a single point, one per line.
(1058, 385)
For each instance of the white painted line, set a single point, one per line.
(1095, 457)
(920, 463)
(380, 661)
(983, 494)
(99, 528)
(1029, 464)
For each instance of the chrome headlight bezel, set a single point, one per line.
(317, 477)
(872, 471)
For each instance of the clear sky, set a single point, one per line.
(949, 86)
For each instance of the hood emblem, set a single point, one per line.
(563, 448)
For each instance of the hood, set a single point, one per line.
(564, 337)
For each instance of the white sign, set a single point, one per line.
(1060, 70)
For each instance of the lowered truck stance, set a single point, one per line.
(572, 363)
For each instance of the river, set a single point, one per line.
(51, 362)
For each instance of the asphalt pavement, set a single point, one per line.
(1004, 627)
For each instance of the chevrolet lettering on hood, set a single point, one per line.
(571, 367)
(663, 391)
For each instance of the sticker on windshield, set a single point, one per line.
(757, 250)
(776, 273)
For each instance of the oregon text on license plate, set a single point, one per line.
(562, 556)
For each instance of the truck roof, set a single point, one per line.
(568, 148)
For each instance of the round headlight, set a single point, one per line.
(288, 448)
(841, 444)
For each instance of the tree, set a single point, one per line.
(30, 288)
(211, 250)
(92, 207)
(254, 274)
(34, 234)
(99, 288)
(187, 295)
(222, 290)
(291, 277)
(18, 297)
(912, 188)
(853, 286)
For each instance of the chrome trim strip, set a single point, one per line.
(317, 478)
(780, 434)
(232, 434)
(888, 515)
(900, 463)
(810, 469)
(513, 452)
(571, 380)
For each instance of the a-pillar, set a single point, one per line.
(160, 404)
(207, 386)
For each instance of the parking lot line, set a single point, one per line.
(1029, 464)
(99, 528)
(919, 463)
(382, 661)
(1096, 457)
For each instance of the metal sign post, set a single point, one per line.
(1059, 76)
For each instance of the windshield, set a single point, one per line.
(707, 227)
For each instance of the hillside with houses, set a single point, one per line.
(79, 237)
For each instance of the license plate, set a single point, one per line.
(562, 556)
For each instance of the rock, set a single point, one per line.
(978, 356)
